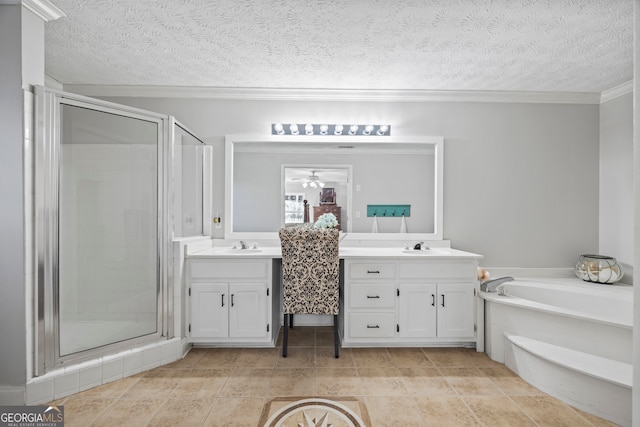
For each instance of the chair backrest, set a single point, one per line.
(310, 270)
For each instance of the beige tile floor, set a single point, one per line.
(400, 387)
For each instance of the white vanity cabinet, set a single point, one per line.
(370, 301)
(444, 310)
(231, 301)
(409, 302)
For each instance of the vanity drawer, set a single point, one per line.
(438, 270)
(372, 325)
(372, 295)
(372, 271)
(228, 269)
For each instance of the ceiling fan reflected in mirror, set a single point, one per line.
(312, 181)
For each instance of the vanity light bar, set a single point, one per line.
(327, 129)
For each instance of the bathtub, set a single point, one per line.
(569, 338)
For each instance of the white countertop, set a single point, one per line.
(348, 252)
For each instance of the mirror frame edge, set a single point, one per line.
(437, 141)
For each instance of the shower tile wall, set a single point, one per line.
(102, 370)
(187, 181)
(103, 179)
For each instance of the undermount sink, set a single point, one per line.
(232, 251)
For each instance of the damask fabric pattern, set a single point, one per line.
(310, 270)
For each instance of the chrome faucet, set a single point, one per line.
(243, 245)
(420, 246)
(491, 285)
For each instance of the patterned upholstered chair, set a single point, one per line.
(310, 276)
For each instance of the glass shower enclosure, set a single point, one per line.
(104, 215)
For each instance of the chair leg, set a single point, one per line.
(291, 320)
(336, 339)
(285, 335)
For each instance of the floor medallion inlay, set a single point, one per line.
(315, 412)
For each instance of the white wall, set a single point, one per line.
(616, 182)
(521, 180)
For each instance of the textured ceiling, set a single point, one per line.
(505, 45)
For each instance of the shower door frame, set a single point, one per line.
(49, 103)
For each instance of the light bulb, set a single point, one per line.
(293, 128)
(382, 129)
(324, 129)
(338, 130)
(308, 129)
(304, 185)
(367, 130)
(321, 184)
(278, 128)
(313, 184)
(353, 129)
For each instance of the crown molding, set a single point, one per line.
(616, 92)
(52, 83)
(261, 94)
(44, 9)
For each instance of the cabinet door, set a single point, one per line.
(248, 310)
(455, 310)
(209, 314)
(417, 310)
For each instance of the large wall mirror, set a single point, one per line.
(268, 178)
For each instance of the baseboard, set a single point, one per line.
(12, 395)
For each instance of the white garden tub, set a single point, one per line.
(570, 338)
